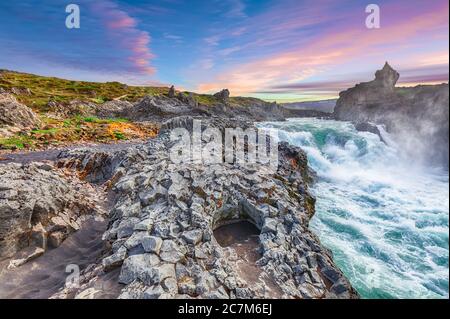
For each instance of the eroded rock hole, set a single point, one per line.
(237, 232)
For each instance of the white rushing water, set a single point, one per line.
(385, 219)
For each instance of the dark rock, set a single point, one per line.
(416, 117)
(223, 95)
(172, 92)
(369, 127)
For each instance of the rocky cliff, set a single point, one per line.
(417, 117)
(164, 217)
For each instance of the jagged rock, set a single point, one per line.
(416, 117)
(188, 99)
(223, 95)
(15, 114)
(387, 77)
(39, 205)
(193, 236)
(172, 251)
(152, 244)
(114, 109)
(73, 108)
(21, 91)
(115, 260)
(153, 292)
(171, 92)
(139, 267)
(369, 127)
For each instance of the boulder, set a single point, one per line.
(15, 114)
(223, 95)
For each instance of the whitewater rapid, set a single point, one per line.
(385, 219)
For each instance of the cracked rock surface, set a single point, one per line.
(164, 216)
(40, 207)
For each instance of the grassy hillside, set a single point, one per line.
(37, 91)
(44, 89)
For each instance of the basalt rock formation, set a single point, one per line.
(164, 217)
(160, 108)
(417, 117)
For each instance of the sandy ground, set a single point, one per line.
(44, 276)
(52, 153)
(242, 240)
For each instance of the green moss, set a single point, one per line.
(208, 100)
(119, 135)
(15, 142)
(48, 131)
(96, 120)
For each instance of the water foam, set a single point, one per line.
(385, 219)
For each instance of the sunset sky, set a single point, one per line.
(284, 50)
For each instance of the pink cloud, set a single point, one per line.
(122, 28)
(339, 46)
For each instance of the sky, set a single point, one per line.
(277, 50)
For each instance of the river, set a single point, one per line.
(385, 219)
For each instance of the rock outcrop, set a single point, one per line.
(223, 95)
(40, 207)
(15, 114)
(114, 109)
(73, 108)
(164, 217)
(417, 117)
(172, 92)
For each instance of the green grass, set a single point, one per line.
(119, 135)
(45, 89)
(15, 142)
(208, 100)
(96, 120)
(48, 131)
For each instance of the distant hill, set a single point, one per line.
(326, 106)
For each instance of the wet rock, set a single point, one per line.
(371, 128)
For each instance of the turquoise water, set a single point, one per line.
(385, 219)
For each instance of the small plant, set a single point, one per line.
(119, 135)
